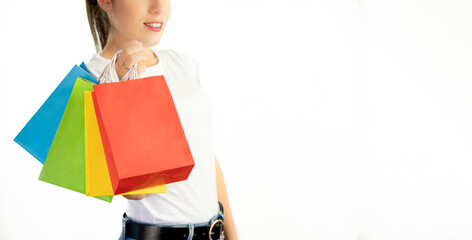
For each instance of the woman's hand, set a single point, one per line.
(134, 196)
(133, 53)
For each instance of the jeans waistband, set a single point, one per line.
(184, 231)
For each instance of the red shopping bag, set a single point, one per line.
(143, 139)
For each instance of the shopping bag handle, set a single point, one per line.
(109, 75)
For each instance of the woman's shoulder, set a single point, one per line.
(180, 64)
(172, 56)
(96, 64)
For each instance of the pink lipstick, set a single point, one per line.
(154, 26)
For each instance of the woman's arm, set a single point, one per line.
(134, 196)
(230, 228)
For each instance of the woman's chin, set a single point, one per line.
(151, 42)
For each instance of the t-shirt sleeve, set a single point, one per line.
(186, 63)
(96, 65)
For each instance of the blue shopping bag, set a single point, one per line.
(38, 134)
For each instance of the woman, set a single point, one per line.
(189, 209)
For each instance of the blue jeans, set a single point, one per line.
(190, 226)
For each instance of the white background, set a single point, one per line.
(334, 119)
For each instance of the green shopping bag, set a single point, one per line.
(65, 161)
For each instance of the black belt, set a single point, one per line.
(141, 231)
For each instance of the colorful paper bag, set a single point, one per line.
(65, 162)
(143, 139)
(38, 134)
(98, 181)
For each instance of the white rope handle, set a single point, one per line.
(109, 75)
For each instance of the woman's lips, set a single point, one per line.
(154, 26)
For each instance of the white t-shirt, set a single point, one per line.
(193, 200)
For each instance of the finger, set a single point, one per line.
(133, 59)
(123, 67)
(130, 51)
(141, 67)
(130, 48)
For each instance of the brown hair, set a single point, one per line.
(99, 23)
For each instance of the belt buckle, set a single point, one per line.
(217, 221)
